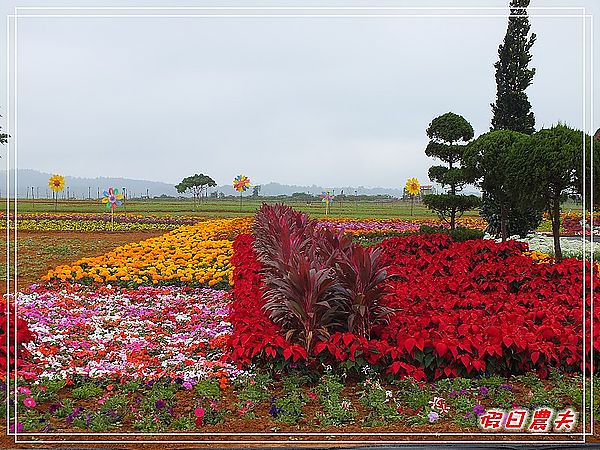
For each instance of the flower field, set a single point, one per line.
(186, 331)
(196, 254)
(367, 226)
(532, 312)
(95, 222)
(123, 334)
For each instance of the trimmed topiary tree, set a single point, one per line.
(448, 135)
(495, 160)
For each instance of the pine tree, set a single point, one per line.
(512, 110)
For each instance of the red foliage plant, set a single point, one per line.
(316, 281)
(459, 309)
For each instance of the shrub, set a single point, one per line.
(361, 274)
(317, 281)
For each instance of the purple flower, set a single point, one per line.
(274, 410)
(160, 404)
(187, 385)
(74, 414)
(463, 392)
(433, 416)
(112, 413)
(478, 410)
(54, 407)
(507, 387)
(483, 390)
(452, 394)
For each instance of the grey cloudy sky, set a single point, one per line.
(329, 101)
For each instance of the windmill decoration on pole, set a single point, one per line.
(327, 197)
(112, 198)
(413, 188)
(57, 184)
(241, 183)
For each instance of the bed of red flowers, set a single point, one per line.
(23, 335)
(460, 309)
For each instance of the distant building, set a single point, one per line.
(425, 190)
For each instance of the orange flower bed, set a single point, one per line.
(195, 254)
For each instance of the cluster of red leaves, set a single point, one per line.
(572, 226)
(23, 335)
(478, 306)
(461, 309)
(253, 332)
(255, 336)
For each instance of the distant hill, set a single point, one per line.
(274, 189)
(82, 187)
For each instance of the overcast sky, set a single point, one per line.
(327, 101)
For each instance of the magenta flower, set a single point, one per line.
(29, 402)
(19, 427)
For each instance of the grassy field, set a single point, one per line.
(229, 208)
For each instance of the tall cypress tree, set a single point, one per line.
(512, 110)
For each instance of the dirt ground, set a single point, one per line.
(330, 440)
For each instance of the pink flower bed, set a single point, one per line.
(145, 333)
